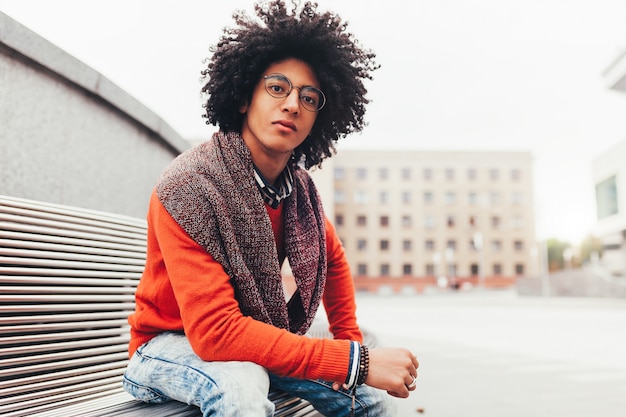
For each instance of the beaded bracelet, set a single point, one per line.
(364, 365)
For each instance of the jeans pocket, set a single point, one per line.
(143, 393)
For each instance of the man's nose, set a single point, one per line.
(291, 103)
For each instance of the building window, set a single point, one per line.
(429, 245)
(471, 174)
(406, 197)
(383, 197)
(494, 174)
(517, 221)
(430, 270)
(361, 270)
(361, 173)
(516, 174)
(452, 270)
(384, 270)
(497, 269)
(361, 220)
(494, 199)
(496, 245)
(450, 198)
(495, 222)
(384, 244)
(516, 199)
(519, 269)
(428, 197)
(450, 222)
(449, 174)
(361, 245)
(451, 244)
(360, 197)
(472, 198)
(407, 269)
(472, 222)
(427, 174)
(384, 221)
(429, 222)
(340, 173)
(518, 245)
(606, 198)
(340, 197)
(474, 269)
(383, 173)
(405, 173)
(406, 221)
(407, 245)
(339, 219)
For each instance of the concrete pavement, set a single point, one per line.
(496, 354)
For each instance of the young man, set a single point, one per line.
(240, 254)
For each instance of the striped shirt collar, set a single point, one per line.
(273, 195)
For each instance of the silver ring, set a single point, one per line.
(413, 383)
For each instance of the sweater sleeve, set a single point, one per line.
(210, 315)
(339, 299)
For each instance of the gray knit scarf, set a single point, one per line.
(210, 191)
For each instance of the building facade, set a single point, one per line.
(419, 215)
(609, 178)
(69, 136)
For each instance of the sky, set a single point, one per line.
(487, 75)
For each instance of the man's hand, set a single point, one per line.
(392, 369)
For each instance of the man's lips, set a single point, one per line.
(286, 123)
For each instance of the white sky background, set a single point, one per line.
(456, 75)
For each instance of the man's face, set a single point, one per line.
(273, 127)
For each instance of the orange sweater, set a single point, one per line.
(184, 289)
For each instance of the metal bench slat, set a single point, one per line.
(34, 396)
(77, 336)
(87, 261)
(19, 217)
(96, 222)
(74, 212)
(57, 357)
(38, 308)
(54, 327)
(60, 272)
(58, 376)
(76, 364)
(82, 243)
(71, 250)
(55, 408)
(33, 349)
(86, 283)
(71, 320)
(46, 298)
(54, 263)
(45, 233)
(23, 289)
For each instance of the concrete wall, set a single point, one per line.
(70, 136)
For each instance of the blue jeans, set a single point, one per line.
(166, 368)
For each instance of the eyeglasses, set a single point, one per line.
(279, 86)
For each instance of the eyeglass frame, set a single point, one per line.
(291, 87)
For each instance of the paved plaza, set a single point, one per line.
(497, 354)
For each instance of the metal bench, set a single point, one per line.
(67, 283)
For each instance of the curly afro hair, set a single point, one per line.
(321, 40)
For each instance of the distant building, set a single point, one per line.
(609, 178)
(407, 218)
